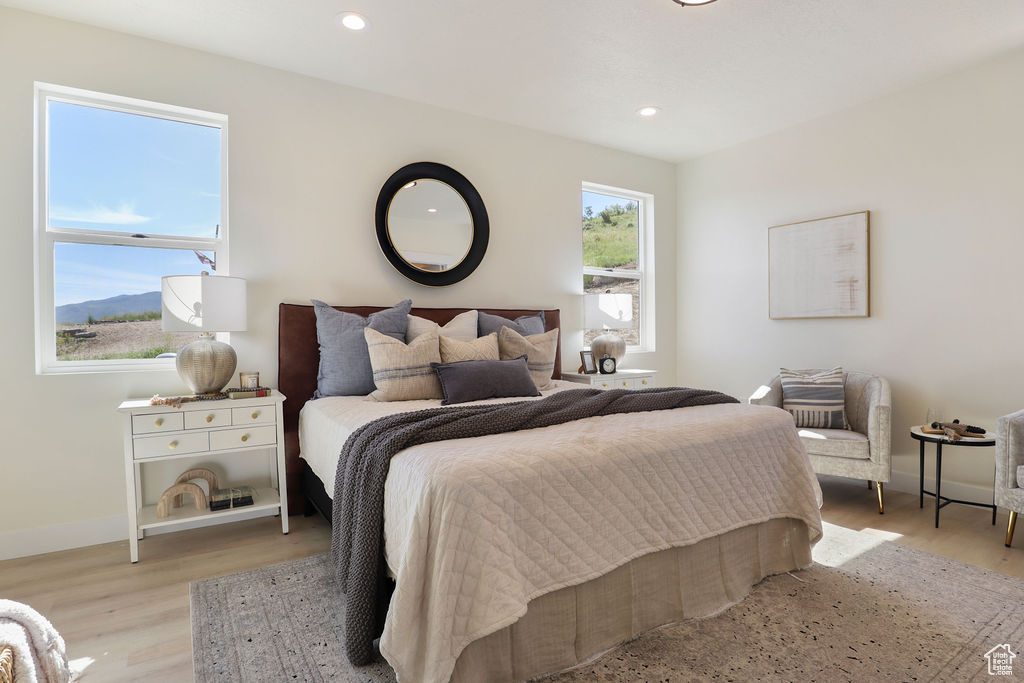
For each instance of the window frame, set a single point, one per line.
(644, 272)
(45, 237)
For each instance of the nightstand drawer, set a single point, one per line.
(254, 415)
(197, 419)
(243, 438)
(155, 446)
(602, 383)
(157, 422)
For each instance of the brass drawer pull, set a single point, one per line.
(245, 437)
(255, 414)
(172, 445)
(644, 381)
(159, 421)
(209, 418)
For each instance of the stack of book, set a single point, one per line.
(236, 497)
(258, 392)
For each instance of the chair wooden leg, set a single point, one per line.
(881, 500)
(1009, 527)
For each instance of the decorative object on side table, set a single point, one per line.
(249, 380)
(233, 497)
(954, 431)
(163, 508)
(588, 366)
(257, 392)
(608, 312)
(606, 365)
(207, 304)
(208, 475)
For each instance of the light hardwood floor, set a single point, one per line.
(133, 620)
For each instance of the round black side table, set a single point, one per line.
(940, 440)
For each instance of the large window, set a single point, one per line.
(127, 191)
(618, 242)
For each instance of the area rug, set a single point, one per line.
(868, 609)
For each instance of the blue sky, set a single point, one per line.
(123, 172)
(599, 202)
(85, 272)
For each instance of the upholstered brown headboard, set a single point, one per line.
(298, 360)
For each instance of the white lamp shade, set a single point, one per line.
(608, 311)
(203, 303)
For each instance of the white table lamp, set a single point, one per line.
(608, 312)
(207, 304)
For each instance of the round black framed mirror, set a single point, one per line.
(431, 224)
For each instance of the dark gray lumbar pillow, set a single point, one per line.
(475, 380)
(524, 324)
(345, 368)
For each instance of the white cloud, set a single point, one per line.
(123, 215)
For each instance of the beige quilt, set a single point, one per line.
(476, 528)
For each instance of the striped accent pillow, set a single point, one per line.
(539, 350)
(815, 401)
(401, 371)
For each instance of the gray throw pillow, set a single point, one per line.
(475, 380)
(345, 368)
(524, 324)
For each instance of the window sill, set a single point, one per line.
(105, 366)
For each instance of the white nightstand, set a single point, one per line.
(623, 379)
(202, 429)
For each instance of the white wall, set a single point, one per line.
(941, 169)
(307, 159)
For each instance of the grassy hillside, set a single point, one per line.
(610, 237)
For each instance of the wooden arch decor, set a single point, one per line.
(163, 508)
(198, 473)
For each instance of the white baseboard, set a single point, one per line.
(62, 537)
(910, 483)
(51, 539)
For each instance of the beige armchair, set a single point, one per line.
(1010, 456)
(862, 452)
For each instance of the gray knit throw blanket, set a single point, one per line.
(358, 510)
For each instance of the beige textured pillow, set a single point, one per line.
(462, 327)
(484, 348)
(402, 371)
(539, 349)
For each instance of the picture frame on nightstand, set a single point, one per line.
(589, 365)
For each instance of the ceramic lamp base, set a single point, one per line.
(611, 345)
(206, 365)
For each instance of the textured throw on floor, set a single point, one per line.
(358, 512)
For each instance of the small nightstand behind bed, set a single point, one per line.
(621, 379)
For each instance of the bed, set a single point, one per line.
(572, 538)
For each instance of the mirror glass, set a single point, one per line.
(429, 225)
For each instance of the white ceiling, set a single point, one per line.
(722, 73)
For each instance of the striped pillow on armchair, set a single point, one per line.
(815, 401)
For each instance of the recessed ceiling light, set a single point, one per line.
(431, 210)
(692, 3)
(353, 21)
(647, 111)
